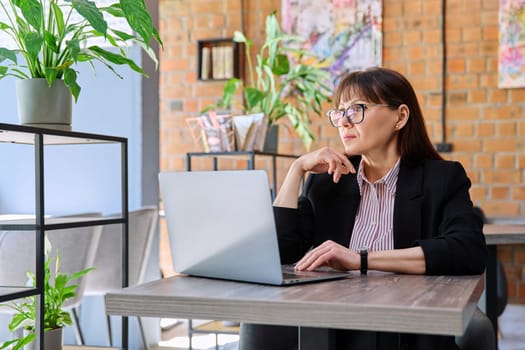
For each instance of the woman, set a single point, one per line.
(389, 201)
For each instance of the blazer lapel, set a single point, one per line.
(408, 205)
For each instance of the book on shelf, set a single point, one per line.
(228, 61)
(205, 63)
(217, 57)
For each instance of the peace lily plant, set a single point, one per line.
(57, 290)
(279, 84)
(52, 36)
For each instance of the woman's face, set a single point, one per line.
(376, 134)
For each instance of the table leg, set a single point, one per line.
(316, 338)
(491, 285)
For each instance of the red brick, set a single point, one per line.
(517, 95)
(486, 129)
(498, 192)
(506, 129)
(505, 161)
(471, 34)
(518, 193)
(501, 208)
(477, 95)
(503, 145)
(478, 192)
(412, 37)
(497, 96)
(505, 176)
(521, 161)
(483, 160)
(490, 33)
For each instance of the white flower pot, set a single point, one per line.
(43, 106)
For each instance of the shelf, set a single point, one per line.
(28, 224)
(39, 138)
(249, 156)
(216, 327)
(10, 133)
(9, 293)
(217, 59)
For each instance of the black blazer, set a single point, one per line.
(432, 209)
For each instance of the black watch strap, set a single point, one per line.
(364, 260)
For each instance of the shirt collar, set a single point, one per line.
(390, 179)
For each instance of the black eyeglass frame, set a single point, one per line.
(363, 107)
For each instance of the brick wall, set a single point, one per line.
(484, 123)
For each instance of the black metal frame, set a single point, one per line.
(250, 164)
(39, 138)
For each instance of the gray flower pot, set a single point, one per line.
(52, 340)
(272, 139)
(43, 106)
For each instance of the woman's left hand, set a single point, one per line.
(329, 254)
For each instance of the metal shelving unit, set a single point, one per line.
(39, 138)
(249, 156)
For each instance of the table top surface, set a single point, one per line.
(377, 301)
(504, 234)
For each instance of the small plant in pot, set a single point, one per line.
(279, 84)
(52, 36)
(58, 288)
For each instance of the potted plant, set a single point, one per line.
(280, 84)
(58, 288)
(51, 36)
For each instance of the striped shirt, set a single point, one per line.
(373, 227)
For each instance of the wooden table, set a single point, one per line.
(494, 236)
(376, 302)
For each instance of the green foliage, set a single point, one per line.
(51, 43)
(278, 86)
(56, 292)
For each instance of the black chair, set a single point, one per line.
(501, 279)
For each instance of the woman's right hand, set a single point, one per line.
(325, 160)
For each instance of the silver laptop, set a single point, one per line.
(221, 225)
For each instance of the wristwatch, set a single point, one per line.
(364, 260)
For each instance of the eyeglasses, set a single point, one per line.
(354, 114)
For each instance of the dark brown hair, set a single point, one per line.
(383, 85)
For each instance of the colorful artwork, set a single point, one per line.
(511, 64)
(344, 35)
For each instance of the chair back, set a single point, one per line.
(75, 246)
(108, 259)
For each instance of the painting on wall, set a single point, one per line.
(344, 35)
(511, 57)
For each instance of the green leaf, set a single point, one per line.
(51, 75)
(239, 37)
(70, 79)
(33, 42)
(123, 35)
(59, 18)
(6, 54)
(114, 10)
(32, 12)
(230, 88)
(4, 26)
(80, 273)
(51, 41)
(138, 18)
(281, 65)
(253, 97)
(74, 48)
(7, 343)
(89, 10)
(115, 58)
